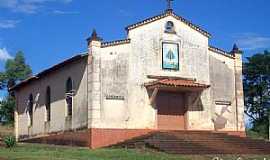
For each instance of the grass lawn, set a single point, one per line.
(46, 152)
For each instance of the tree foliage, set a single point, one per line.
(257, 90)
(15, 71)
(7, 109)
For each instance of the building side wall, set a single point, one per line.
(112, 109)
(57, 82)
(222, 75)
(239, 92)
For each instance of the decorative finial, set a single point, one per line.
(94, 37)
(235, 49)
(169, 5)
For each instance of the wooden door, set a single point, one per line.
(171, 111)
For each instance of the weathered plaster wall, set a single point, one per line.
(57, 81)
(222, 75)
(114, 76)
(239, 91)
(146, 59)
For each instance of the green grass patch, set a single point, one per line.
(47, 152)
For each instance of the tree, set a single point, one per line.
(7, 109)
(257, 91)
(16, 70)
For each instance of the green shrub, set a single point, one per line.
(10, 141)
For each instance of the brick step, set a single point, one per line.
(213, 149)
(164, 139)
(208, 147)
(196, 135)
(216, 152)
(198, 142)
(190, 132)
(203, 142)
(195, 138)
(222, 138)
(192, 137)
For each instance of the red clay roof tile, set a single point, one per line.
(176, 83)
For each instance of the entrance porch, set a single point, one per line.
(169, 95)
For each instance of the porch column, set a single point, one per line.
(153, 96)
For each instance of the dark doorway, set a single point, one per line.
(171, 111)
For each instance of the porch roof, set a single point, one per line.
(175, 83)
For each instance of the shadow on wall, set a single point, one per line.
(220, 121)
(222, 87)
(195, 102)
(222, 79)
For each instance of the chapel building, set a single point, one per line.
(163, 76)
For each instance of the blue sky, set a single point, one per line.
(48, 31)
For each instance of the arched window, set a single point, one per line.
(69, 96)
(48, 104)
(30, 109)
(169, 27)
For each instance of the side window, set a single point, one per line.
(169, 27)
(48, 104)
(30, 109)
(69, 96)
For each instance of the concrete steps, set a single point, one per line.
(197, 142)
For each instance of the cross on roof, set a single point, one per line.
(169, 5)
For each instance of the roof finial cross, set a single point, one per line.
(169, 5)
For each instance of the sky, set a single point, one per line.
(49, 31)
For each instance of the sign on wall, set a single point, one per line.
(170, 56)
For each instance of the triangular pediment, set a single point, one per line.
(164, 15)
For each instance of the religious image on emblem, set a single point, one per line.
(170, 56)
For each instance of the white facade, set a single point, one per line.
(112, 93)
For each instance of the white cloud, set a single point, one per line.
(252, 41)
(60, 12)
(5, 24)
(27, 6)
(4, 55)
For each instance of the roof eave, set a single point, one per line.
(46, 71)
(166, 14)
(221, 52)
